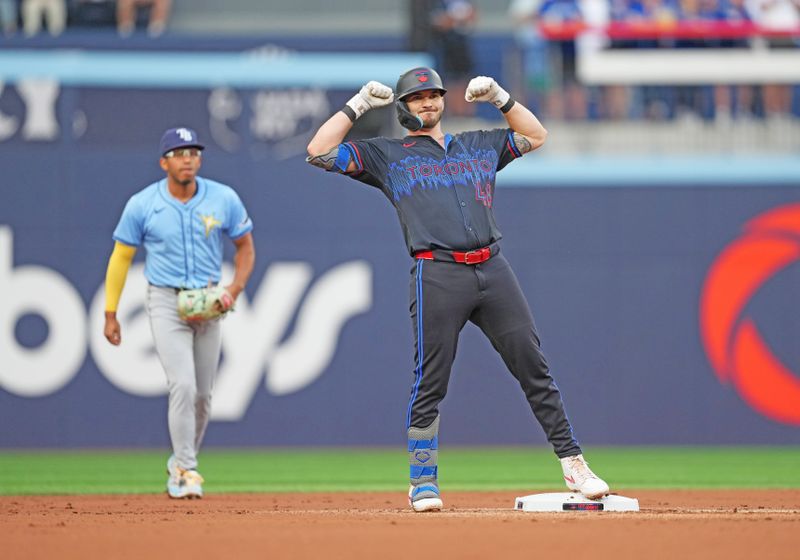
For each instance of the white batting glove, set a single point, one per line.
(484, 88)
(371, 96)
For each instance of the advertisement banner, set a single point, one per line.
(668, 315)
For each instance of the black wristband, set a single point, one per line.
(507, 107)
(349, 112)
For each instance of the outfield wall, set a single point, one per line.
(614, 262)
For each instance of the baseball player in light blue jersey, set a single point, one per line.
(180, 221)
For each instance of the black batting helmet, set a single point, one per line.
(416, 79)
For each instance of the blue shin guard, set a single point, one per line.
(423, 457)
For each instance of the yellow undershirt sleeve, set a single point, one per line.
(118, 265)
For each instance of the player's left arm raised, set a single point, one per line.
(529, 133)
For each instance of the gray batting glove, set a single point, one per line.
(371, 96)
(484, 88)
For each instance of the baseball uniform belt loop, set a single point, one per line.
(476, 256)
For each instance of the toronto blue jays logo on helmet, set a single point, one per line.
(422, 76)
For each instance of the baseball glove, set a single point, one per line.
(203, 304)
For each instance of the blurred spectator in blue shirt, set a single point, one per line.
(8, 16)
(662, 13)
(734, 12)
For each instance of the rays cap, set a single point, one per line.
(181, 137)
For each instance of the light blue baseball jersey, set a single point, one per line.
(183, 242)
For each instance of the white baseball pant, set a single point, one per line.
(189, 353)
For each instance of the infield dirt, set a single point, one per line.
(728, 524)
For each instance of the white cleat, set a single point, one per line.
(427, 503)
(183, 483)
(193, 484)
(580, 478)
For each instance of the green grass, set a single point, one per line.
(335, 470)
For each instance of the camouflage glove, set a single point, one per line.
(203, 304)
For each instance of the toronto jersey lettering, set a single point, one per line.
(183, 242)
(443, 196)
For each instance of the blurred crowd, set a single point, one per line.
(548, 34)
(32, 17)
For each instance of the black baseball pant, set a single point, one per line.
(444, 296)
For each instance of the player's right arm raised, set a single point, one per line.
(324, 147)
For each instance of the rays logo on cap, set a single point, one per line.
(182, 137)
(422, 76)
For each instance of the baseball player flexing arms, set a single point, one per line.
(442, 187)
(180, 221)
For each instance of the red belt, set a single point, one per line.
(470, 257)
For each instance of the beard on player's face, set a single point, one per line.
(182, 171)
(430, 119)
(428, 105)
(183, 177)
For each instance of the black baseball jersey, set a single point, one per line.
(443, 196)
